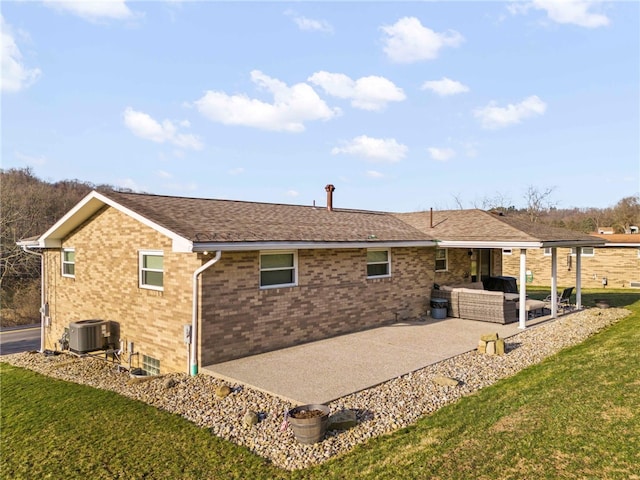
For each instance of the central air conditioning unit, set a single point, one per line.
(89, 335)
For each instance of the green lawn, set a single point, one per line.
(576, 415)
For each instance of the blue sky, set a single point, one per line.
(402, 106)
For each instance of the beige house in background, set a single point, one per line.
(615, 264)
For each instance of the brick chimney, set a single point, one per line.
(329, 189)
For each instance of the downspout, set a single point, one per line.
(194, 313)
(25, 248)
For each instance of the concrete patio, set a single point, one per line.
(323, 371)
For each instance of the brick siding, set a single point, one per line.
(620, 265)
(106, 287)
(333, 295)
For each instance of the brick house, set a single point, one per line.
(286, 274)
(614, 264)
(191, 282)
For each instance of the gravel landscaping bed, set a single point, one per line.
(382, 409)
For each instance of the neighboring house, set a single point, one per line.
(615, 264)
(190, 282)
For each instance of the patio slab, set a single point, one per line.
(323, 371)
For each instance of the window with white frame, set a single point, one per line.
(151, 270)
(378, 263)
(547, 251)
(586, 251)
(278, 269)
(69, 262)
(442, 263)
(507, 251)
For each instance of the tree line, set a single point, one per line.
(29, 206)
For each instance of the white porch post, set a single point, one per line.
(554, 282)
(578, 277)
(522, 320)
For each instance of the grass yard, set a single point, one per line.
(573, 416)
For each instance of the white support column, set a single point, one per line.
(554, 282)
(578, 277)
(522, 320)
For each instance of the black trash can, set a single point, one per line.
(439, 308)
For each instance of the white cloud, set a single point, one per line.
(576, 12)
(374, 149)
(236, 171)
(15, 75)
(366, 93)
(374, 174)
(163, 174)
(292, 193)
(94, 10)
(493, 117)
(38, 161)
(409, 41)
(445, 86)
(144, 126)
(441, 154)
(309, 24)
(130, 184)
(291, 107)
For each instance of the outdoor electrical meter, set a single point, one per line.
(187, 334)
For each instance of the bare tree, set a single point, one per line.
(458, 200)
(499, 201)
(538, 202)
(626, 213)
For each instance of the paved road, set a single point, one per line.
(17, 340)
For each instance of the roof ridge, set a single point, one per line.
(247, 202)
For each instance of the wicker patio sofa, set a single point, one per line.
(471, 302)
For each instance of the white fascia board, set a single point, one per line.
(89, 205)
(480, 244)
(250, 246)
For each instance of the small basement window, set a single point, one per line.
(69, 262)
(378, 263)
(507, 251)
(151, 270)
(150, 365)
(278, 269)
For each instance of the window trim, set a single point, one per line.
(141, 269)
(446, 260)
(294, 268)
(507, 251)
(547, 251)
(64, 262)
(387, 263)
(583, 254)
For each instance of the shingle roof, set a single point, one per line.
(479, 225)
(630, 238)
(206, 220)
